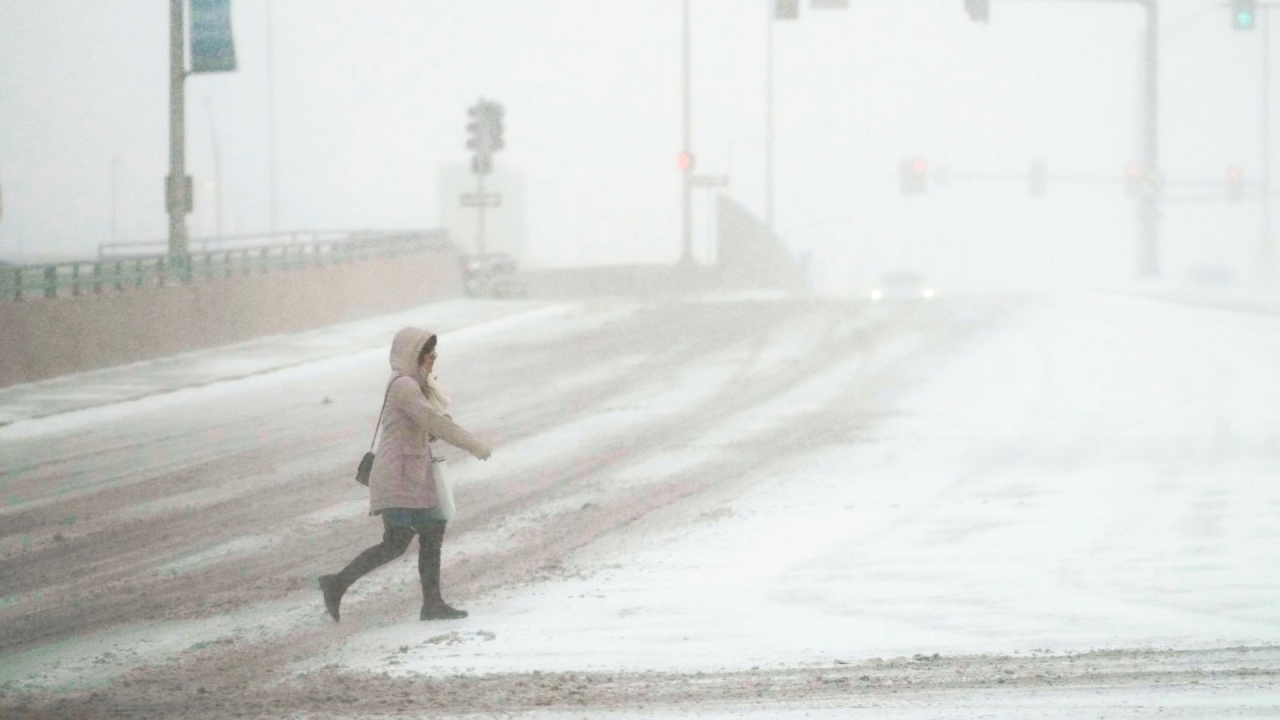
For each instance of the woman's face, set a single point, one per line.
(428, 362)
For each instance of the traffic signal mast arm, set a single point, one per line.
(980, 10)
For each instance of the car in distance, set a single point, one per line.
(492, 275)
(902, 287)
(507, 286)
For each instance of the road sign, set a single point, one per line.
(212, 47)
(979, 10)
(709, 181)
(180, 196)
(478, 200)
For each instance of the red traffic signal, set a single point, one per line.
(1235, 182)
(1133, 174)
(684, 161)
(913, 175)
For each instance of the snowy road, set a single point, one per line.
(979, 508)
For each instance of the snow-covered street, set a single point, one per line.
(979, 507)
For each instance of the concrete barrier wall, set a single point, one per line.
(46, 338)
(748, 256)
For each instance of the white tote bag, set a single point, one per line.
(444, 492)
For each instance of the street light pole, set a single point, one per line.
(176, 185)
(686, 242)
(271, 129)
(115, 193)
(768, 116)
(1266, 244)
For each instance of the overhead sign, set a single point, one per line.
(478, 200)
(212, 47)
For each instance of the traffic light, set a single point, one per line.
(1244, 14)
(979, 10)
(476, 140)
(1133, 174)
(495, 114)
(913, 175)
(485, 134)
(786, 9)
(485, 127)
(1235, 183)
(684, 161)
(1038, 178)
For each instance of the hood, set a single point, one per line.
(405, 349)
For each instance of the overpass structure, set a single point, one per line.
(130, 304)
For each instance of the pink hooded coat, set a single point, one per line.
(401, 476)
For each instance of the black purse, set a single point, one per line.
(366, 462)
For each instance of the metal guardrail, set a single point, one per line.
(129, 266)
(153, 248)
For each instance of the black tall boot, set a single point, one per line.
(430, 538)
(395, 540)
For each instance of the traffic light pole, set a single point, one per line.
(484, 257)
(485, 130)
(768, 116)
(1149, 205)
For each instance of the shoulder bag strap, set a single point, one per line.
(378, 427)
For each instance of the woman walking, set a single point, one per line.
(400, 485)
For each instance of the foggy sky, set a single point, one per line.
(371, 100)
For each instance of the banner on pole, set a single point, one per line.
(212, 47)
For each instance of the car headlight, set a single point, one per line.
(928, 293)
(876, 294)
